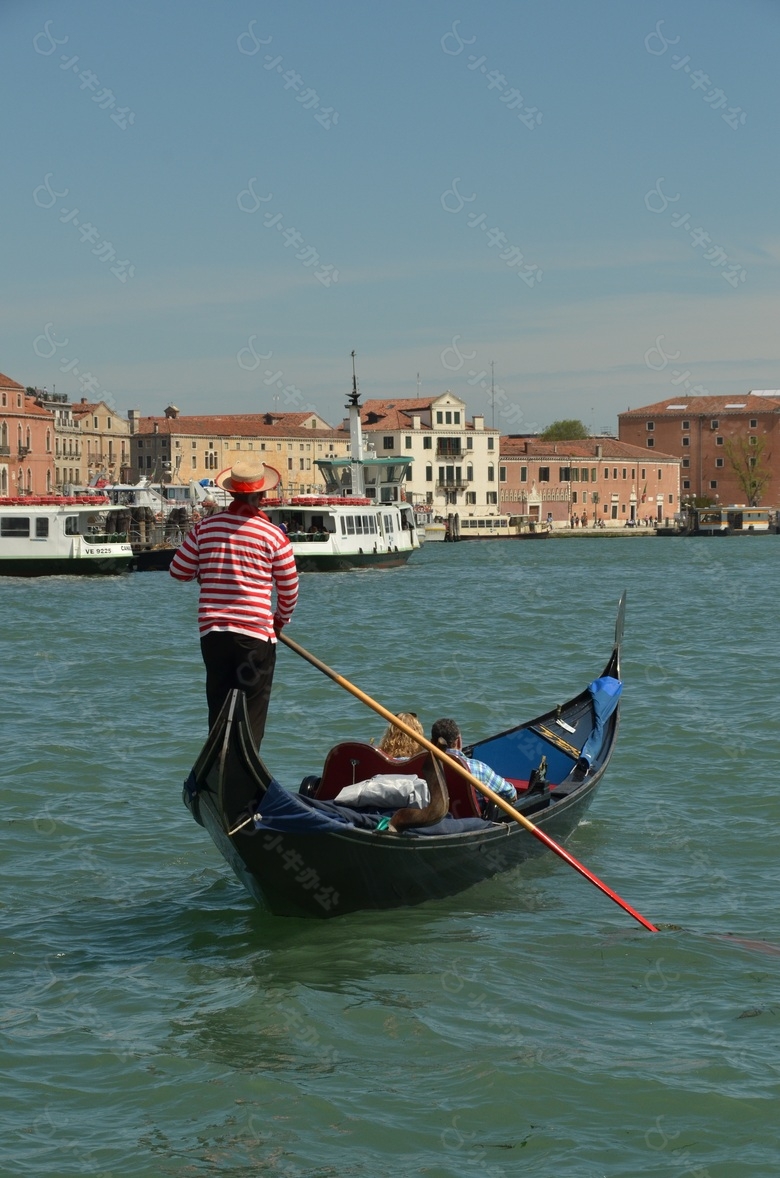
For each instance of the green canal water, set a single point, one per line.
(155, 1021)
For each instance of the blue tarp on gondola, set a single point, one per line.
(605, 693)
(292, 814)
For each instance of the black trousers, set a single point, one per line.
(236, 660)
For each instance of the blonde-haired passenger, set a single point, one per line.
(397, 744)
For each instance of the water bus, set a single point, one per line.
(41, 536)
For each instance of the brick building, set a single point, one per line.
(595, 479)
(702, 431)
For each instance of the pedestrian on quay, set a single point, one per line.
(239, 557)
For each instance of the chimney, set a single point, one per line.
(133, 419)
(415, 421)
(479, 421)
(156, 427)
(598, 450)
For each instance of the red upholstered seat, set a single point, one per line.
(352, 761)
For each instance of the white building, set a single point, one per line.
(454, 462)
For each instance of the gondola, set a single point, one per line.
(302, 854)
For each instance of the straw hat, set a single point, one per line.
(247, 476)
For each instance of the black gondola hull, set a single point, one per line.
(332, 872)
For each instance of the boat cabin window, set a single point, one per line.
(343, 527)
(13, 525)
(71, 525)
(350, 525)
(42, 528)
(388, 523)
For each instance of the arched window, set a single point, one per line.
(3, 434)
(48, 443)
(4, 480)
(48, 482)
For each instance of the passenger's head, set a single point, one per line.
(445, 734)
(396, 743)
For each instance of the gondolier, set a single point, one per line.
(239, 557)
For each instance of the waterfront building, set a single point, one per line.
(600, 478)
(105, 441)
(175, 448)
(454, 463)
(710, 434)
(26, 442)
(68, 468)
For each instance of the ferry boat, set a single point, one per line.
(362, 520)
(735, 520)
(41, 536)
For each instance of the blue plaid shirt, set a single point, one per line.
(485, 774)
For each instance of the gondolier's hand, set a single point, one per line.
(278, 625)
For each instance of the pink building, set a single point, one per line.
(26, 443)
(597, 479)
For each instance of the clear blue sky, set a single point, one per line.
(417, 107)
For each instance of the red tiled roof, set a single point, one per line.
(243, 425)
(7, 383)
(708, 406)
(611, 448)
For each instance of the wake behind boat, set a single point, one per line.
(306, 855)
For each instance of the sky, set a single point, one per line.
(554, 210)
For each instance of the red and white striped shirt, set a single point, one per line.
(239, 556)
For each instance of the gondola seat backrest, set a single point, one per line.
(352, 761)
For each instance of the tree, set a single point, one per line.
(745, 457)
(568, 430)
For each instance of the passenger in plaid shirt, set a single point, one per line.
(446, 735)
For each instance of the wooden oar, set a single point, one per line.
(464, 772)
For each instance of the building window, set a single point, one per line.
(584, 473)
(753, 423)
(644, 472)
(456, 417)
(686, 425)
(660, 472)
(686, 485)
(614, 472)
(686, 441)
(753, 440)
(408, 441)
(471, 497)
(429, 474)
(574, 496)
(194, 461)
(491, 497)
(544, 474)
(502, 474)
(439, 417)
(491, 443)
(624, 472)
(469, 443)
(387, 442)
(713, 484)
(564, 474)
(650, 426)
(714, 423)
(491, 474)
(650, 443)
(289, 463)
(687, 461)
(606, 472)
(427, 443)
(470, 474)
(719, 462)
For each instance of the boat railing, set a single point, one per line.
(105, 538)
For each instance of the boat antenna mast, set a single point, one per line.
(355, 436)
